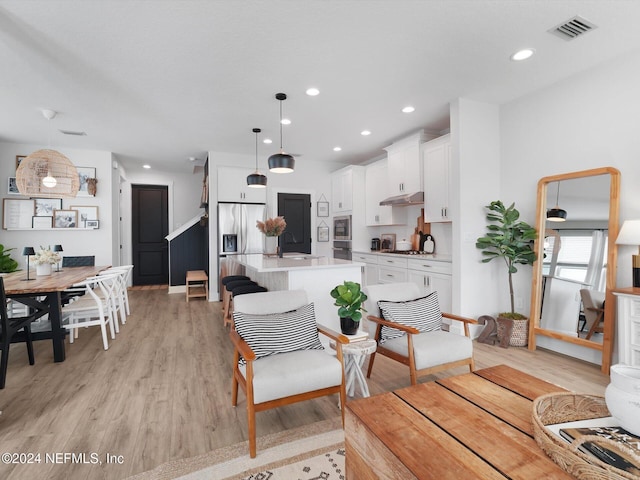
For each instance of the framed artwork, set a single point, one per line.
(85, 213)
(46, 206)
(19, 159)
(92, 224)
(17, 213)
(42, 221)
(65, 218)
(323, 234)
(12, 186)
(388, 242)
(85, 173)
(323, 209)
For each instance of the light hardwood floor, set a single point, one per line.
(162, 391)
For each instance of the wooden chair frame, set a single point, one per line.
(241, 348)
(410, 360)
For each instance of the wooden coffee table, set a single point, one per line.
(476, 425)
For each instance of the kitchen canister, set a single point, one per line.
(622, 397)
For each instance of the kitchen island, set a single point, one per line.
(316, 275)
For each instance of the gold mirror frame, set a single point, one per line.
(536, 286)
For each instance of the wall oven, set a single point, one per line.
(342, 228)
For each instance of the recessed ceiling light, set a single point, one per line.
(522, 54)
(192, 159)
(267, 140)
(408, 109)
(146, 166)
(337, 149)
(364, 133)
(285, 121)
(312, 92)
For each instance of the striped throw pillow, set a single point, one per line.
(279, 332)
(422, 313)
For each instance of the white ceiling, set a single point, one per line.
(160, 81)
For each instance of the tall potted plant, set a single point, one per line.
(510, 239)
(349, 298)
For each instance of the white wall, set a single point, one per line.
(587, 121)
(74, 242)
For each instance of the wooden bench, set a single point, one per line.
(197, 284)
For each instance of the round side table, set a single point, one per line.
(354, 355)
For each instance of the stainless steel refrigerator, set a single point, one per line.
(237, 231)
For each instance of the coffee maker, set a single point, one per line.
(375, 244)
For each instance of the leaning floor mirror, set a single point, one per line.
(575, 272)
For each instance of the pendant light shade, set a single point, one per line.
(557, 214)
(256, 179)
(47, 173)
(281, 162)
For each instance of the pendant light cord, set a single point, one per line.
(281, 126)
(558, 195)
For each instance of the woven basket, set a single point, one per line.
(570, 407)
(519, 334)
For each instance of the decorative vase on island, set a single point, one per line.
(348, 326)
(43, 269)
(623, 397)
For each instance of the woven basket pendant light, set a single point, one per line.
(47, 173)
(281, 162)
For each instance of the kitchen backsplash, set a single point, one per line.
(441, 232)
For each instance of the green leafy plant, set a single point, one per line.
(510, 239)
(349, 298)
(7, 264)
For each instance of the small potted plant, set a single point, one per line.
(510, 239)
(44, 259)
(349, 298)
(273, 227)
(7, 264)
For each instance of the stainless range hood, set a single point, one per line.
(416, 198)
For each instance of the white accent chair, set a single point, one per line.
(283, 378)
(95, 307)
(593, 307)
(424, 353)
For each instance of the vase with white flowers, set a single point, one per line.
(273, 227)
(44, 259)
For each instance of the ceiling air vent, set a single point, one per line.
(573, 28)
(71, 132)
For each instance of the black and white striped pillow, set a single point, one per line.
(279, 332)
(422, 313)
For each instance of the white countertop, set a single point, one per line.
(436, 257)
(291, 261)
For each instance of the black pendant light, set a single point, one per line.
(281, 162)
(256, 179)
(557, 214)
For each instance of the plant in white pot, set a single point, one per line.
(510, 239)
(349, 298)
(44, 259)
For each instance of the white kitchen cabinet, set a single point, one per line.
(392, 269)
(377, 189)
(405, 172)
(436, 156)
(232, 186)
(370, 260)
(628, 327)
(342, 190)
(434, 276)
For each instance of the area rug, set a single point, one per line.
(307, 453)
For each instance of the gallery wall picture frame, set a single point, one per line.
(12, 186)
(388, 242)
(17, 213)
(323, 209)
(323, 234)
(85, 212)
(41, 221)
(95, 224)
(84, 173)
(65, 219)
(46, 206)
(19, 159)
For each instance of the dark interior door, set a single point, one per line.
(150, 224)
(296, 210)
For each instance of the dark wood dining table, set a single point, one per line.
(44, 294)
